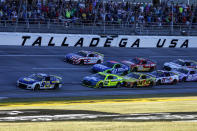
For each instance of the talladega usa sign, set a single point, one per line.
(69, 40)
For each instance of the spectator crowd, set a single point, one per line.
(88, 11)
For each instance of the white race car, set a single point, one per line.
(164, 77)
(180, 63)
(186, 74)
(84, 57)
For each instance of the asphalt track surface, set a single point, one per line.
(17, 61)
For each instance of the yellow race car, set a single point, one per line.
(138, 80)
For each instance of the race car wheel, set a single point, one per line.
(81, 62)
(158, 82)
(134, 85)
(151, 69)
(151, 84)
(134, 69)
(56, 86)
(100, 85)
(174, 82)
(37, 87)
(184, 79)
(125, 84)
(98, 62)
(118, 85)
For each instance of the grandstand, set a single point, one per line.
(130, 17)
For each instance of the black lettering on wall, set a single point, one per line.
(185, 44)
(94, 42)
(25, 39)
(64, 42)
(136, 43)
(173, 43)
(50, 42)
(108, 42)
(160, 45)
(37, 41)
(79, 42)
(123, 42)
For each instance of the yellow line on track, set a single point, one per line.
(77, 102)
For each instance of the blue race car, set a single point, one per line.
(111, 67)
(40, 81)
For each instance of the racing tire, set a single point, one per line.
(125, 84)
(151, 69)
(98, 62)
(184, 79)
(100, 85)
(151, 84)
(56, 87)
(134, 85)
(174, 82)
(37, 87)
(118, 85)
(134, 69)
(158, 82)
(81, 62)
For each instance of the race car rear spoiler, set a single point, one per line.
(99, 54)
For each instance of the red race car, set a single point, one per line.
(140, 64)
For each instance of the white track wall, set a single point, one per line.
(42, 39)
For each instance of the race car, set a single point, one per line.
(186, 74)
(164, 77)
(101, 79)
(140, 64)
(135, 79)
(84, 57)
(180, 63)
(113, 67)
(40, 81)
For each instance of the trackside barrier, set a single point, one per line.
(44, 39)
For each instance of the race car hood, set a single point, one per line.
(127, 62)
(172, 65)
(73, 56)
(92, 79)
(27, 80)
(152, 75)
(179, 73)
(126, 78)
(99, 67)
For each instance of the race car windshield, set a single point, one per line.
(102, 77)
(36, 77)
(183, 71)
(80, 53)
(136, 61)
(156, 73)
(136, 76)
(179, 62)
(108, 64)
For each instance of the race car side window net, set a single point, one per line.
(143, 77)
(192, 72)
(47, 79)
(110, 77)
(117, 66)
